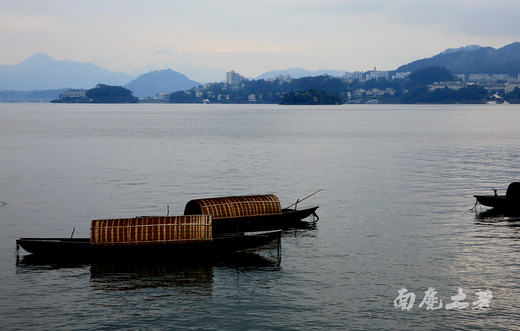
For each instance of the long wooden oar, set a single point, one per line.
(300, 200)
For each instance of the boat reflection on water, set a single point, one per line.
(497, 217)
(194, 276)
(497, 213)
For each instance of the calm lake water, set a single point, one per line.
(398, 185)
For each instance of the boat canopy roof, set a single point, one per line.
(235, 206)
(147, 230)
(513, 190)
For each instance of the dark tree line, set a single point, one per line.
(264, 91)
(470, 94)
(311, 97)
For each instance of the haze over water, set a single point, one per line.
(398, 183)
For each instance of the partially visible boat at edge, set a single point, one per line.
(508, 203)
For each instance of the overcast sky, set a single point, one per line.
(205, 38)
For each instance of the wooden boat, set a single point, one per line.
(171, 237)
(250, 213)
(509, 202)
(208, 226)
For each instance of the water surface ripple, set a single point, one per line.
(398, 183)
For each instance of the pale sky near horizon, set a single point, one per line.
(203, 39)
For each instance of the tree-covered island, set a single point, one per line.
(100, 94)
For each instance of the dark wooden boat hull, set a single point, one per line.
(291, 215)
(500, 205)
(290, 218)
(82, 248)
(498, 201)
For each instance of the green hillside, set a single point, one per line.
(485, 60)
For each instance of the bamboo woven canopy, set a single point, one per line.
(236, 206)
(151, 230)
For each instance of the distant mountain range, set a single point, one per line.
(154, 82)
(473, 60)
(42, 77)
(41, 72)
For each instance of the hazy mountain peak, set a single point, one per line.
(39, 57)
(157, 81)
(42, 72)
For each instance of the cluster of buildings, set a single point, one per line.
(232, 78)
(487, 78)
(494, 83)
(374, 74)
(497, 87)
(74, 96)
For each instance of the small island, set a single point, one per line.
(100, 94)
